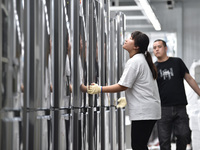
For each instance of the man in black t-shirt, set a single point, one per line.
(171, 74)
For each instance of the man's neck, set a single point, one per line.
(163, 59)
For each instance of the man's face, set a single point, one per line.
(159, 49)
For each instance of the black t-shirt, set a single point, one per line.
(170, 81)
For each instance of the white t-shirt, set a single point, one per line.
(142, 94)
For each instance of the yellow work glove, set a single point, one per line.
(93, 89)
(121, 102)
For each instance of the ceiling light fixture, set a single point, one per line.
(136, 18)
(125, 8)
(149, 13)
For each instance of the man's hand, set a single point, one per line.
(121, 102)
(93, 89)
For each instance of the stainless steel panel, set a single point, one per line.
(37, 45)
(62, 126)
(40, 130)
(105, 129)
(76, 93)
(120, 23)
(106, 47)
(83, 48)
(61, 53)
(11, 131)
(84, 130)
(112, 55)
(113, 128)
(39, 71)
(76, 131)
(97, 130)
(1, 67)
(11, 53)
(121, 129)
(92, 73)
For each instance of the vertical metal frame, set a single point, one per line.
(121, 111)
(57, 45)
(91, 61)
(26, 73)
(112, 56)
(0, 69)
(75, 54)
(0, 60)
(9, 102)
(38, 61)
(76, 103)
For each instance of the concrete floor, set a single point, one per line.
(173, 146)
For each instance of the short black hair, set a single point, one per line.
(164, 43)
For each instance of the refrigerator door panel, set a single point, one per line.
(76, 140)
(43, 138)
(39, 130)
(112, 55)
(107, 130)
(11, 54)
(97, 130)
(113, 124)
(62, 54)
(37, 45)
(121, 129)
(63, 127)
(11, 131)
(68, 120)
(84, 130)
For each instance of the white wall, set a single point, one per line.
(191, 31)
(184, 20)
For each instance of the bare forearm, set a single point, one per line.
(83, 88)
(195, 86)
(192, 83)
(113, 88)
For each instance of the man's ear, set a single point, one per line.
(166, 48)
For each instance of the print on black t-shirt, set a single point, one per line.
(166, 74)
(170, 81)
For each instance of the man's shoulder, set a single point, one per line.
(175, 58)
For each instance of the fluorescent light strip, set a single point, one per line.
(125, 8)
(139, 26)
(149, 13)
(136, 18)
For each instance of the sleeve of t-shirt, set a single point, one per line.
(129, 75)
(184, 69)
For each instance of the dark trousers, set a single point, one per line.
(174, 119)
(140, 133)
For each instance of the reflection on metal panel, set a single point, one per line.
(11, 54)
(11, 126)
(84, 130)
(39, 130)
(113, 59)
(107, 130)
(121, 128)
(62, 138)
(113, 128)
(58, 47)
(43, 131)
(97, 130)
